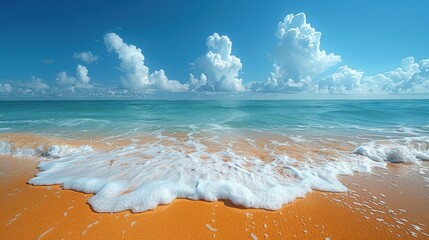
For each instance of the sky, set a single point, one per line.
(99, 48)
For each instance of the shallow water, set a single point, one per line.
(261, 154)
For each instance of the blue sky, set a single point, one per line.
(40, 38)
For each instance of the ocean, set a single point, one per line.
(258, 154)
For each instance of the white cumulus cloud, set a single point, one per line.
(82, 79)
(297, 57)
(217, 70)
(86, 57)
(344, 80)
(5, 87)
(63, 79)
(300, 65)
(298, 52)
(82, 74)
(136, 74)
(409, 77)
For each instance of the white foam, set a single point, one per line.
(5, 148)
(58, 151)
(410, 150)
(27, 152)
(80, 121)
(140, 177)
(54, 151)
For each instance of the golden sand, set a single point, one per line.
(384, 205)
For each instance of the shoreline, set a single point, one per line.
(396, 205)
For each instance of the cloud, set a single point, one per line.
(278, 84)
(63, 79)
(5, 88)
(344, 80)
(34, 83)
(301, 66)
(86, 57)
(160, 81)
(82, 80)
(82, 74)
(297, 57)
(136, 74)
(409, 77)
(132, 62)
(298, 52)
(217, 70)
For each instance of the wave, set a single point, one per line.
(54, 151)
(265, 172)
(409, 150)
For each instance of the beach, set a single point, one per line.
(214, 120)
(388, 204)
(224, 170)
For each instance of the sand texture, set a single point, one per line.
(388, 204)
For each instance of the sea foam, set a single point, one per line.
(409, 150)
(143, 175)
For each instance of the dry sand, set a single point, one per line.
(389, 204)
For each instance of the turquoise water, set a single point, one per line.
(104, 118)
(257, 154)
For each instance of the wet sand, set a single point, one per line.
(389, 204)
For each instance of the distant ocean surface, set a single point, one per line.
(260, 154)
